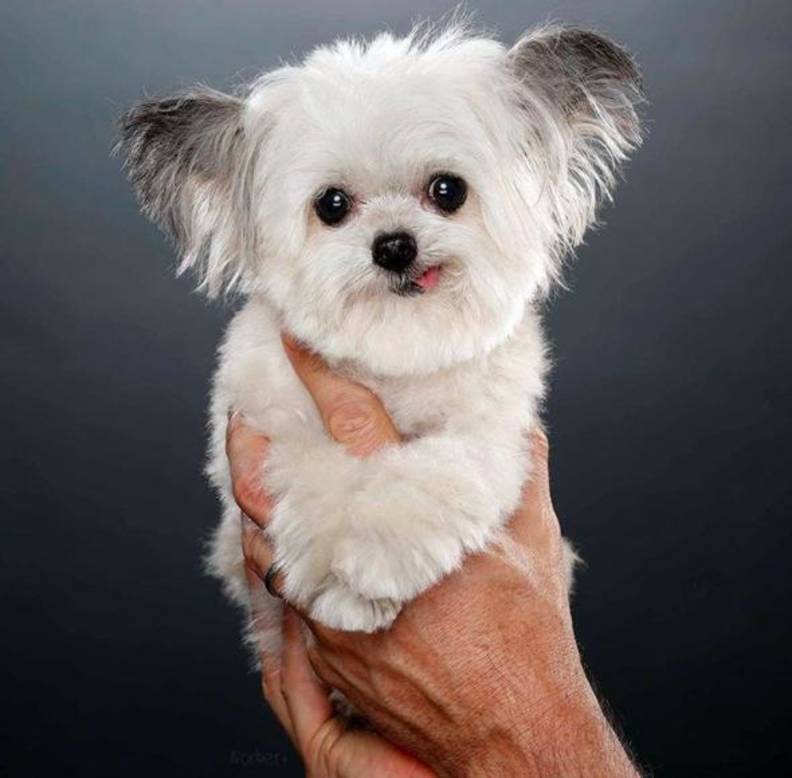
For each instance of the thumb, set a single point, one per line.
(351, 414)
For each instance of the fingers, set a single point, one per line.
(307, 701)
(246, 455)
(255, 548)
(258, 558)
(261, 618)
(247, 450)
(271, 670)
(326, 743)
(352, 415)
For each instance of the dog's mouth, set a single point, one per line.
(407, 284)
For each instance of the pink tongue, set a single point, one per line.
(429, 278)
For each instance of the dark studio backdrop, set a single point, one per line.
(669, 407)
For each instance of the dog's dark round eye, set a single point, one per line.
(332, 205)
(447, 192)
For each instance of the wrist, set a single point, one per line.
(519, 739)
(560, 731)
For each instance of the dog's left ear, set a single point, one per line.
(186, 158)
(580, 92)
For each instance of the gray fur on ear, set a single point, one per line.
(582, 91)
(185, 156)
(579, 68)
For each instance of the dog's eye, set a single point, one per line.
(447, 192)
(332, 205)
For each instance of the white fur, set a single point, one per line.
(358, 537)
(459, 368)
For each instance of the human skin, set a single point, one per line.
(479, 676)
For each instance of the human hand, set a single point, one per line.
(300, 701)
(481, 674)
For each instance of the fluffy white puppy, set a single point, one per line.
(398, 205)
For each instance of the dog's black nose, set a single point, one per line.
(394, 251)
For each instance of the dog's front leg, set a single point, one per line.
(357, 538)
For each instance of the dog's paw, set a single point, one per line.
(377, 570)
(339, 607)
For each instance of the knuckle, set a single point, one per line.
(352, 420)
(249, 550)
(324, 668)
(256, 553)
(247, 490)
(323, 749)
(316, 660)
(286, 692)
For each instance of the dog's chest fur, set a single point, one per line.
(504, 385)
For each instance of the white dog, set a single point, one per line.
(400, 206)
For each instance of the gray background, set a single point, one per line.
(669, 411)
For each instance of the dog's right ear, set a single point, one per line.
(186, 158)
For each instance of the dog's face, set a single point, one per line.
(399, 202)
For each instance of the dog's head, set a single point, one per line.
(399, 201)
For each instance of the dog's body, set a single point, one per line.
(399, 206)
(358, 536)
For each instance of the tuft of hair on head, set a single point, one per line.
(187, 159)
(581, 93)
(455, 25)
